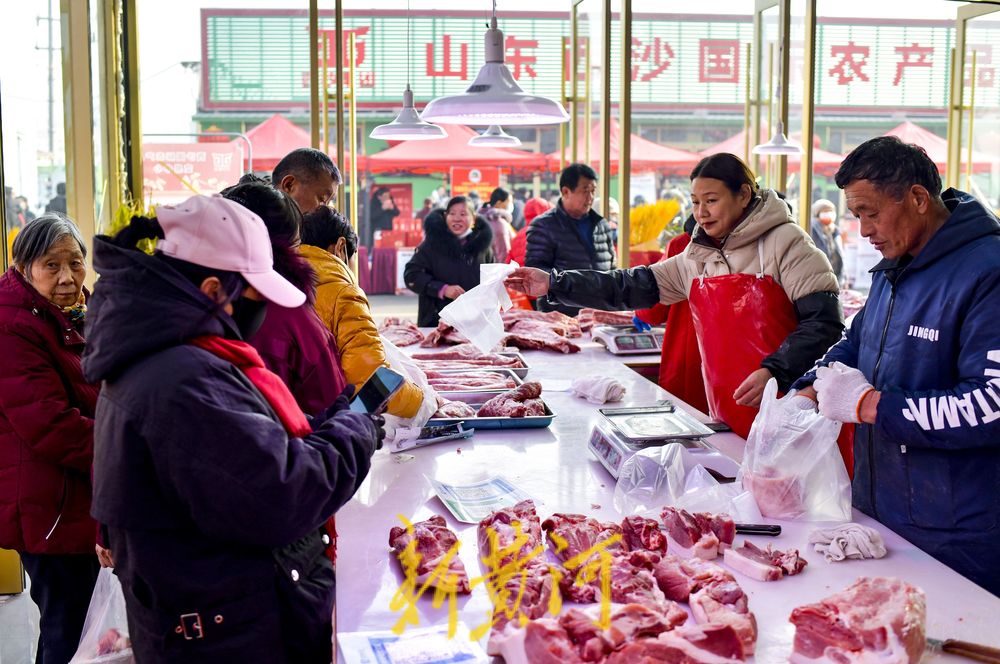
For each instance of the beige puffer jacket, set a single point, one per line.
(789, 255)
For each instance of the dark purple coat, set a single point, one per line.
(46, 426)
(296, 345)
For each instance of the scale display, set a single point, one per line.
(625, 340)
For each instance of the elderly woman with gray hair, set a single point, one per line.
(47, 429)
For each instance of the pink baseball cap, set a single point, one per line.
(216, 232)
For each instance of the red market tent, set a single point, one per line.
(645, 155)
(274, 138)
(825, 163)
(438, 156)
(936, 147)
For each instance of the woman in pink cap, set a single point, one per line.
(205, 469)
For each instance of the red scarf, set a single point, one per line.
(246, 358)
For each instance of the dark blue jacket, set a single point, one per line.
(929, 340)
(195, 477)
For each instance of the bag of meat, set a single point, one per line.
(105, 629)
(792, 464)
(476, 313)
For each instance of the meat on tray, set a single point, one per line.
(764, 564)
(529, 329)
(453, 409)
(427, 547)
(466, 354)
(522, 401)
(588, 318)
(700, 535)
(469, 381)
(874, 619)
(400, 331)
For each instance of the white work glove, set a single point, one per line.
(801, 402)
(839, 391)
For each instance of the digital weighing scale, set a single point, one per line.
(625, 340)
(624, 431)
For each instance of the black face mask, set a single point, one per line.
(249, 316)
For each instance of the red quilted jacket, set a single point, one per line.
(46, 426)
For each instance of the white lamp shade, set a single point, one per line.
(494, 137)
(778, 145)
(408, 126)
(495, 98)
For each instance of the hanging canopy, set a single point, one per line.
(824, 163)
(645, 155)
(440, 155)
(274, 138)
(936, 147)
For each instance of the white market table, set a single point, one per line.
(555, 466)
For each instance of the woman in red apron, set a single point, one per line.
(763, 298)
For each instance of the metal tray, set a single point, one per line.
(522, 371)
(655, 423)
(507, 373)
(475, 399)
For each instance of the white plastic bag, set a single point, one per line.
(792, 464)
(704, 493)
(476, 313)
(406, 367)
(649, 479)
(105, 631)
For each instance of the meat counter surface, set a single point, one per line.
(556, 468)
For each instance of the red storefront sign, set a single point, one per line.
(481, 180)
(175, 171)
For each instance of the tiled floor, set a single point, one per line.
(18, 614)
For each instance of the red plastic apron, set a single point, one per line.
(740, 319)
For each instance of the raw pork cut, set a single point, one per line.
(400, 331)
(588, 318)
(529, 329)
(690, 644)
(464, 356)
(499, 534)
(422, 551)
(764, 564)
(519, 594)
(874, 619)
(441, 335)
(690, 536)
(453, 409)
(778, 495)
(708, 608)
(571, 535)
(721, 525)
(537, 335)
(642, 533)
(522, 401)
(471, 380)
(558, 322)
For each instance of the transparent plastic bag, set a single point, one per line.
(792, 464)
(105, 638)
(703, 493)
(649, 479)
(406, 367)
(476, 313)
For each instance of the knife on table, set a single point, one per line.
(758, 529)
(965, 649)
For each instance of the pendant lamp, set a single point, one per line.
(494, 137)
(408, 126)
(778, 145)
(495, 98)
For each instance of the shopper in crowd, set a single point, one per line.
(917, 368)
(204, 466)
(47, 429)
(24, 210)
(519, 244)
(439, 197)
(446, 264)
(517, 210)
(329, 243)
(572, 235)
(381, 213)
(742, 230)
(309, 177)
(497, 215)
(293, 342)
(826, 235)
(58, 202)
(612, 216)
(422, 212)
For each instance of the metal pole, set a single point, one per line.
(314, 103)
(786, 40)
(956, 108)
(770, 109)
(624, 137)
(562, 95)
(606, 106)
(972, 120)
(748, 102)
(325, 104)
(808, 117)
(338, 47)
(574, 59)
(589, 112)
(353, 138)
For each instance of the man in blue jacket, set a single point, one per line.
(919, 368)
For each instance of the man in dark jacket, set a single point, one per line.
(570, 236)
(918, 369)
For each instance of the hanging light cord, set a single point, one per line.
(409, 51)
